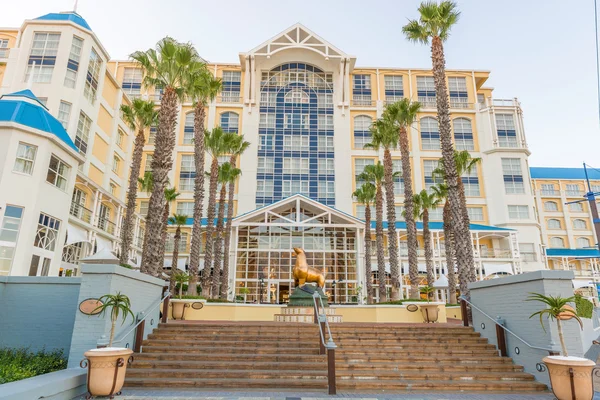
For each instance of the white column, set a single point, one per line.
(247, 81)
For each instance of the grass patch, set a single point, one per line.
(17, 364)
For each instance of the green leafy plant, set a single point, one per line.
(427, 290)
(126, 266)
(190, 297)
(17, 364)
(396, 302)
(180, 278)
(555, 307)
(218, 301)
(117, 305)
(583, 306)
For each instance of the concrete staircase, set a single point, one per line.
(286, 356)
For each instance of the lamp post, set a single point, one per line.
(333, 287)
(262, 282)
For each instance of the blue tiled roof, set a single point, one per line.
(66, 16)
(14, 108)
(440, 225)
(583, 253)
(562, 173)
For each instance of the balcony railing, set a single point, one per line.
(80, 212)
(575, 193)
(362, 101)
(583, 272)
(550, 192)
(505, 103)
(427, 102)
(183, 247)
(107, 226)
(495, 253)
(461, 104)
(231, 97)
(4, 52)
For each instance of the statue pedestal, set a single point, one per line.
(301, 307)
(302, 296)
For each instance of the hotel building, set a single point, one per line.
(304, 105)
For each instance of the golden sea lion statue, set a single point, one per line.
(303, 273)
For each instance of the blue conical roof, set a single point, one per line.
(66, 16)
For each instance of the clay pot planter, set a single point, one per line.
(179, 306)
(430, 312)
(560, 370)
(106, 370)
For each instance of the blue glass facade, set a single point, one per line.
(296, 135)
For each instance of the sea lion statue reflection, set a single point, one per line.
(303, 273)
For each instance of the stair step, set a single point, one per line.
(228, 373)
(444, 385)
(208, 383)
(220, 350)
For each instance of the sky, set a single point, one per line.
(540, 51)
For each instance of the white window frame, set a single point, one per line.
(325, 143)
(554, 223)
(296, 165)
(187, 164)
(24, 162)
(518, 212)
(264, 188)
(581, 222)
(64, 113)
(512, 166)
(550, 206)
(475, 213)
(61, 173)
(266, 165)
(82, 136)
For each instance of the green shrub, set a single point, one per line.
(396, 302)
(17, 364)
(218, 301)
(584, 307)
(192, 297)
(126, 266)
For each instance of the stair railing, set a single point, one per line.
(325, 346)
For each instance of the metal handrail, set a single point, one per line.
(323, 318)
(505, 328)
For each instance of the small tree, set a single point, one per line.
(427, 290)
(118, 305)
(180, 278)
(557, 309)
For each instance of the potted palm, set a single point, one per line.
(107, 366)
(570, 377)
(179, 305)
(430, 311)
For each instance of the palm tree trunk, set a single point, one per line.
(166, 213)
(196, 242)
(561, 336)
(134, 174)
(162, 163)
(409, 207)
(368, 270)
(449, 244)
(471, 273)
(176, 241)
(379, 241)
(113, 324)
(428, 247)
(227, 238)
(462, 235)
(208, 252)
(390, 200)
(216, 281)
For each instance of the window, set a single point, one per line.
(120, 137)
(398, 180)
(399, 210)
(187, 173)
(583, 243)
(428, 167)
(144, 207)
(296, 96)
(170, 243)
(426, 91)
(152, 134)
(463, 134)
(359, 167)
(527, 251)
(326, 189)
(518, 212)
(557, 242)
(475, 213)
(231, 85)
(595, 188)
(185, 208)
(42, 57)
(83, 132)
(457, 86)
(295, 165)
(576, 207)
(92, 77)
(481, 98)
(58, 173)
(264, 188)
(296, 143)
(550, 206)
(470, 182)
(554, 224)
(548, 189)
(326, 166)
(25, 158)
(64, 113)
(579, 224)
(574, 190)
(113, 188)
(430, 134)
(73, 63)
(267, 121)
(436, 214)
(325, 122)
(394, 88)
(362, 90)
(188, 129)
(266, 165)
(230, 122)
(360, 211)
(362, 82)
(362, 132)
(296, 121)
(47, 232)
(148, 163)
(3, 52)
(44, 101)
(132, 81)
(513, 178)
(9, 232)
(266, 142)
(505, 127)
(325, 143)
(268, 99)
(116, 164)
(292, 187)
(324, 100)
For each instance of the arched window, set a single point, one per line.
(576, 207)
(557, 242)
(230, 122)
(362, 133)
(550, 206)
(188, 129)
(553, 224)
(579, 224)
(463, 134)
(430, 134)
(583, 242)
(297, 96)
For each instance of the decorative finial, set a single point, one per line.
(30, 78)
(75, 6)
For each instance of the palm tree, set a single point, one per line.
(423, 203)
(146, 182)
(366, 195)
(237, 147)
(202, 88)
(178, 220)
(384, 135)
(435, 22)
(227, 174)
(170, 195)
(216, 146)
(375, 174)
(139, 116)
(167, 67)
(115, 304)
(404, 112)
(180, 279)
(556, 306)
(441, 191)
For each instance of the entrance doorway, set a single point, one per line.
(284, 293)
(39, 266)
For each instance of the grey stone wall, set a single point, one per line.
(38, 311)
(506, 298)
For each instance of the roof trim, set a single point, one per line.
(562, 173)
